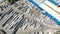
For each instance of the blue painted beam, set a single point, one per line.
(54, 2)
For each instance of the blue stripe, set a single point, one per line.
(54, 2)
